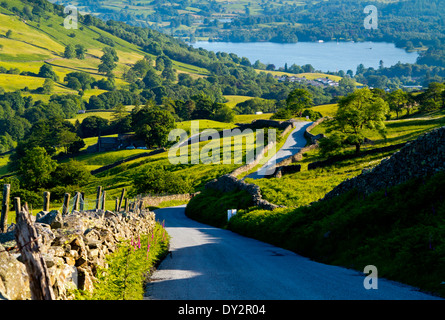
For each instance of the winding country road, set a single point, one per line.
(208, 263)
(294, 143)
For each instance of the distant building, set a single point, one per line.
(317, 82)
(122, 141)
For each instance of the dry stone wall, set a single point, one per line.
(155, 200)
(73, 246)
(228, 183)
(421, 157)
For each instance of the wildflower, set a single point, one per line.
(148, 250)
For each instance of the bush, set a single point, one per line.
(210, 206)
(71, 173)
(157, 180)
(313, 115)
(282, 113)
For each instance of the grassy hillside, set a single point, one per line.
(34, 43)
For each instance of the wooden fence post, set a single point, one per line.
(116, 206)
(5, 208)
(126, 205)
(46, 200)
(121, 200)
(66, 203)
(27, 239)
(103, 203)
(17, 208)
(82, 201)
(76, 202)
(98, 195)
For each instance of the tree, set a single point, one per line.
(35, 168)
(153, 124)
(204, 107)
(169, 74)
(141, 67)
(397, 100)
(46, 71)
(71, 173)
(92, 126)
(224, 113)
(151, 79)
(347, 85)
(80, 51)
(160, 64)
(358, 111)
(70, 52)
(48, 86)
(119, 113)
(108, 64)
(66, 138)
(299, 99)
(158, 180)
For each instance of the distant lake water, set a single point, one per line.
(325, 56)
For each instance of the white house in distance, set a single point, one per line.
(319, 82)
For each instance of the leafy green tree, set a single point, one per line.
(184, 109)
(153, 124)
(299, 99)
(433, 97)
(141, 67)
(48, 86)
(66, 138)
(169, 74)
(46, 71)
(35, 168)
(6, 143)
(108, 64)
(204, 107)
(330, 145)
(92, 126)
(80, 51)
(71, 173)
(223, 113)
(119, 113)
(151, 79)
(70, 52)
(358, 111)
(160, 64)
(397, 100)
(158, 180)
(79, 80)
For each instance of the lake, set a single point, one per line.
(325, 56)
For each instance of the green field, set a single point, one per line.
(32, 44)
(234, 100)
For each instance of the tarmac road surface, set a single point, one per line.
(294, 143)
(208, 263)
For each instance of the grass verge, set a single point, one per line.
(400, 231)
